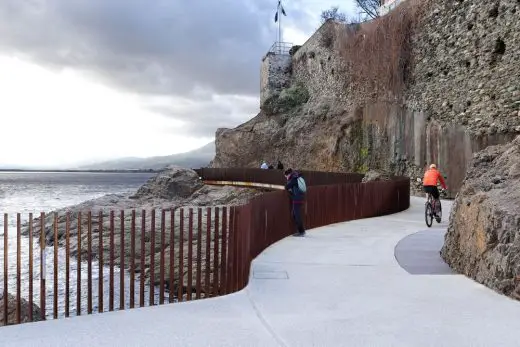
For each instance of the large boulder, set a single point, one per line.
(170, 184)
(11, 310)
(483, 238)
(376, 175)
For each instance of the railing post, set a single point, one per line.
(181, 257)
(215, 252)
(78, 293)
(172, 256)
(199, 252)
(67, 264)
(141, 275)
(163, 250)
(207, 288)
(190, 255)
(42, 266)
(101, 292)
(111, 261)
(151, 300)
(31, 289)
(122, 262)
(223, 260)
(132, 261)
(18, 268)
(55, 262)
(89, 262)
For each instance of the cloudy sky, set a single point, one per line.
(90, 80)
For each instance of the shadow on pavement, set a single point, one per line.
(418, 253)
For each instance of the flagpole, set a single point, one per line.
(279, 27)
(278, 18)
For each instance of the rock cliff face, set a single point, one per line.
(433, 81)
(483, 239)
(173, 183)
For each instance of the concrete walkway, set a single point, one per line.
(372, 282)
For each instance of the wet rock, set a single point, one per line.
(11, 309)
(374, 175)
(172, 183)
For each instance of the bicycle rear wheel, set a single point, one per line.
(438, 217)
(428, 214)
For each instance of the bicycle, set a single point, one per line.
(429, 211)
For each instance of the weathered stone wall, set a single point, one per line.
(466, 68)
(275, 75)
(317, 66)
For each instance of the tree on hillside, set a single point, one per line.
(369, 7)
(334, 14)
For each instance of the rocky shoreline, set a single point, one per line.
(171, 189)
(11, 309)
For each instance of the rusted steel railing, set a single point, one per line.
(170, 255)
(178, 258)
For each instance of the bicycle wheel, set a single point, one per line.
(428, 214)
(438, 216)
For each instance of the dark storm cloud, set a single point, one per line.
(147, 46)
(202, 118)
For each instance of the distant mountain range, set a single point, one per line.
(194, 159)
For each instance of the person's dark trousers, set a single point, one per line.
(297, 216)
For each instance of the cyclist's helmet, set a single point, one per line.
(433, 166)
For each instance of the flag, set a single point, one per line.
(280, 9)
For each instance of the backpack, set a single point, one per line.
(301, 184)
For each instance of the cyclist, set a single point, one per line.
(430, 179)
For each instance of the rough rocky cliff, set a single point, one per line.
(433, 81)
(483, 238)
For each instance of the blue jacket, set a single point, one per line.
(297, 196)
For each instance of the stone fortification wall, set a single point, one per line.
(432, 81)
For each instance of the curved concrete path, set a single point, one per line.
(372, 282)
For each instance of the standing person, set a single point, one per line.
(430, 179)
(280, 165)
(297, 199)
(264, 166)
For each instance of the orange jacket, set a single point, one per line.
(431, 177)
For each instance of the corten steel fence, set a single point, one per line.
(267, 218)
(76, 263)
(59, 265)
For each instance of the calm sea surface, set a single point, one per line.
(26, 192)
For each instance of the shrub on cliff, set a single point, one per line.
(288, 99)
(294, 49)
